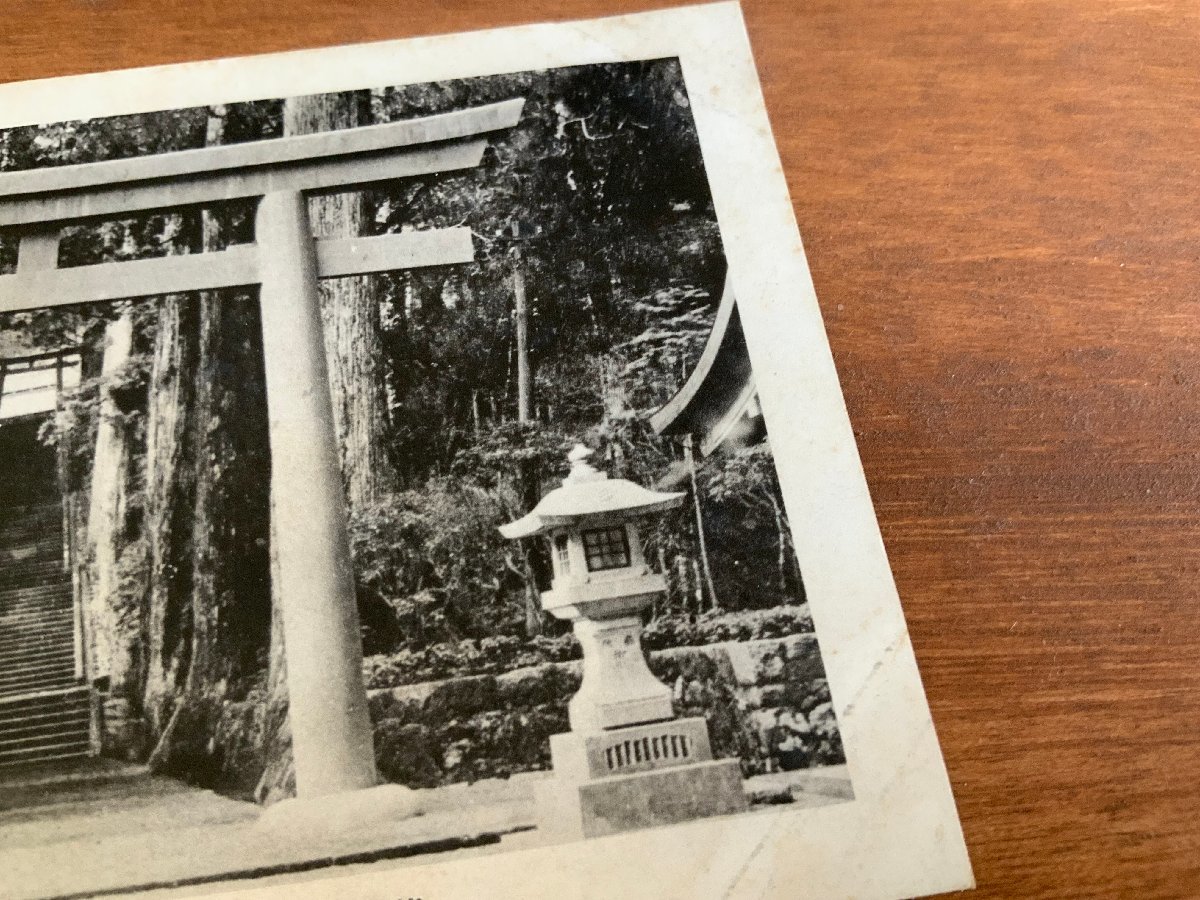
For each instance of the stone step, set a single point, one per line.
(36, 687)
(62, 579)
(74, 732)
(35, 598)
(9, 591)
(30, 609)
(35, 595)
(24, 623)
(18, 606)
(26, 684)
(9, 680)
(49, 603)
(63, 674)
(45, 753)
(12, 559)
(46, 638)
(45, 724)
(35, 614)
(47, 612)
(41, 681)
(27, 660)
(43, 639)
(39, 506)
(42, 703)
(36, 667)
(35, 645)
(16, 634)
(48, 642)
(46, 721)
(31, 690)
(29, 570)
(32, 656)
(34, 591)
(52, 635)
(76, 729)
(53, 621)
(53, 577)
(21, 765)
(17, 541)
(43, 550)
(25, 528)
(83, 781)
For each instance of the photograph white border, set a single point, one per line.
(901, 835)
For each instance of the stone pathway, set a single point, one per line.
(111, 829)
(106, 829)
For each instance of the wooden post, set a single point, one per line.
(690, 453)
(666, 574)
(681, 575)
(331, 728)
(524, 381)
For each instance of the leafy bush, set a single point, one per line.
(432, 568)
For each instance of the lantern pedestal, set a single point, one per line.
(618, 688)
(622, 779)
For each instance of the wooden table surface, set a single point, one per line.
(999, 201)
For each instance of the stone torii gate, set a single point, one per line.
(331, 730)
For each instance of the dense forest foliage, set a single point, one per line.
(596, 206)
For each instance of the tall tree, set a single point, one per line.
(170, 502)
(210, 603)
(114, 634)
(350, 307)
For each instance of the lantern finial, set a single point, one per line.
(581, 469)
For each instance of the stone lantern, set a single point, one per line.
(627, 761)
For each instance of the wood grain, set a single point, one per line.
(999, 202)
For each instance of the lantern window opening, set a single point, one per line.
(606, 548)
(562, 552)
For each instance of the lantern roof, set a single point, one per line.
(588, 493)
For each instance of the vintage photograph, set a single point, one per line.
(383, 478)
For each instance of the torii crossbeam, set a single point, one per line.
(331, 731)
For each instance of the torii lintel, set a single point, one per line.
(36, 205)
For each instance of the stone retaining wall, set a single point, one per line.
(486, 726)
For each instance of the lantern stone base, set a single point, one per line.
(623, 779)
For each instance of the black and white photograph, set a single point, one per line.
(385, 481)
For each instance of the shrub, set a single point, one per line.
(407, 754)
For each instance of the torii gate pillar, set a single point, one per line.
(331, 729)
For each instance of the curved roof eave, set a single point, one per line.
(536, 523)
(673, 415)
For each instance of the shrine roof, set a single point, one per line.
(721, 387)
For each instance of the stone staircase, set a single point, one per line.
(45, 713)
